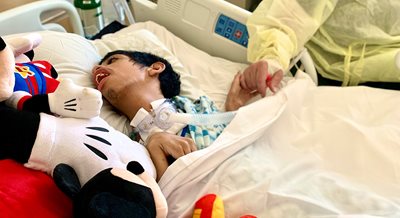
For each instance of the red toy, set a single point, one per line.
(211, 206)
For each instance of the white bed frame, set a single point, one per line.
(192, 20)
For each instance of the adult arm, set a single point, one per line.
(279, 29)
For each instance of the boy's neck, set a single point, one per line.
(132, 102)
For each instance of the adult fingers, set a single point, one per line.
(261, 77)
(235, 85)
(254, 77)
(275, 81)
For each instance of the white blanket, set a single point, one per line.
(305, 152)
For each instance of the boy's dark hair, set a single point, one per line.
(170, 83)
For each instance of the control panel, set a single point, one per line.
(232, 30)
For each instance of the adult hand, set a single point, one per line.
(257, 77)
(161, 145)
(237, 96)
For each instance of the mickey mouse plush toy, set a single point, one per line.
(104, 172)
(113, 192)
(32, 85)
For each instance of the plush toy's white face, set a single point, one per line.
(128, 176)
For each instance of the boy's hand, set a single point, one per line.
(161, 145)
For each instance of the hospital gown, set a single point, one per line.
(353, 41)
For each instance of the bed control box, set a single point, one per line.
(215, 27)
(232, 30)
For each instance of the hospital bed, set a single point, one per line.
(306, 151)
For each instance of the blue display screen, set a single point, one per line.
(232, 30)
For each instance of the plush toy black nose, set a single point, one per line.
(135, 167)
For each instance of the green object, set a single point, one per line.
(91, 14)
(87, 4)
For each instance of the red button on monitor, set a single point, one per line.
(238, 34)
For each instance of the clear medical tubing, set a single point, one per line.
(166, 116)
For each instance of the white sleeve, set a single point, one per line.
(278, 29)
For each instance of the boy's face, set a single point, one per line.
(117, 74)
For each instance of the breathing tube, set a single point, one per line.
(166, 115)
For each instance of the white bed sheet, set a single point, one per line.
(305, 152)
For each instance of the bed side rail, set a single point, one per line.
(27, 18)
(214, 26)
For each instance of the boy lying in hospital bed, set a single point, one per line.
(131, 81)
(148, 69)
(178, 196)
(138, 83)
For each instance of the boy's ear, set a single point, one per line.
(156, 68)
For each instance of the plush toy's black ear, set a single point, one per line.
(66, 179)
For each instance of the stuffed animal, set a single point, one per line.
(113, 171)
(32, 85)
(211, 206)
(91, 147)
(111, 193)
